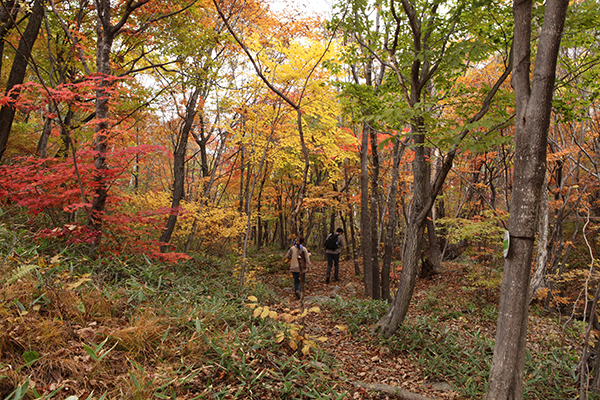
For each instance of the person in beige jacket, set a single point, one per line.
(299, 259)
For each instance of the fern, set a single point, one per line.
(21, 271)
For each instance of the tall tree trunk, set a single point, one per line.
(106, 33)
(354, 248)
(365, 215)
(282, 238)
(242, 167)
(19, 68)
(259, 225)
(424, 192)
(376, 294)
(392, 222)
(419, 210)
(179, 169)
(533, 107)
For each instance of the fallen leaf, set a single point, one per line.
(265, 312)
(279, 338)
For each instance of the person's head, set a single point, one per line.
(300, 240)
(339, 230)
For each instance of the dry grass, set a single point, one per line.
(64, 326)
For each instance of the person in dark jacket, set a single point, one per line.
(333, 255)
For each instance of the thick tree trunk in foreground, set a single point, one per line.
(414, 234)
(533, 105)
(399, 307)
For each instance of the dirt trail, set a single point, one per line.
(359, 360)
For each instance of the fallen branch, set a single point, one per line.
(392, 391)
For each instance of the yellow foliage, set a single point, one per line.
(215, 226)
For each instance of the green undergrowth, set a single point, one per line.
(463, 357)
(130, 327)
(450, 340)
(357, 314)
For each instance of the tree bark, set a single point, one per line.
(259, 225)
(353, 242)
(391, 224)
(365, 215)
(376, 293)
(533, 107)
(435, 255)
(538, 280)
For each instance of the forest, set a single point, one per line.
(158, 158)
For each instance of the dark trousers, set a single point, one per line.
(333, 260)
(297, 286)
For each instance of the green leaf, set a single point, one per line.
(31, 356)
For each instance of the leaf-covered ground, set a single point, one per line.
(450, 323)
(79, 329)
(362, 359)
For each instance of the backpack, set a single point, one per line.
(301, 258)
(331, 243)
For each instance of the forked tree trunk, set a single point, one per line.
(424, 191)
(414, 233)
(533, 107)
(179, 169)
(106, 33)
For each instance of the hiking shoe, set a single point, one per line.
(327, 280)
(298, 294)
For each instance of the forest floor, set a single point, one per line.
(364, 362)
(361, 359)
(144, 331)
